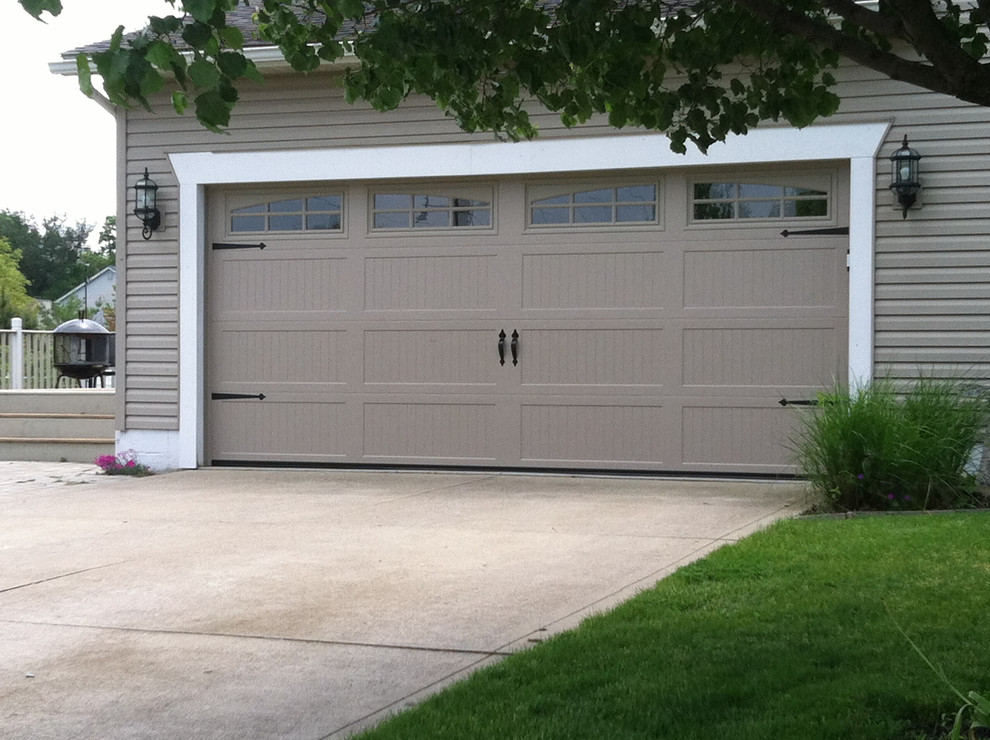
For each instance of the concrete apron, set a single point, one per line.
(312, 604)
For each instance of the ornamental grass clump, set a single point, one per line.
(877, 449)
(123, 463)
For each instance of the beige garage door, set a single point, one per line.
(647, 321)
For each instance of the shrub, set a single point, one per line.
(876, 449)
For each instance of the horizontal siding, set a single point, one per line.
(932, 299)
(932, 269)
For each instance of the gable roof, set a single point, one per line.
(242, 18)
(110, 271)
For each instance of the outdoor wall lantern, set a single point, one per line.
(145, 204)
(904, 176)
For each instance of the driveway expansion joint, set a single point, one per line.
(497, 652)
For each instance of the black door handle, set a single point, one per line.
(501, 347)
(515, 347)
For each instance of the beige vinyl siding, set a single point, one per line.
(932, 299)
(932, 270)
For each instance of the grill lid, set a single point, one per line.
(81, 326)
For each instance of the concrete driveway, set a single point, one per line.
(310, 604)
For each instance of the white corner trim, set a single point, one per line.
(862, 227)
(192, 263)
(857, 143)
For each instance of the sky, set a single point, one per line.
(59, 150)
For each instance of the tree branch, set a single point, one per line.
(871, 20)
(969, 82)
(929, 36)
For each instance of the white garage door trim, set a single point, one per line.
(858, 144)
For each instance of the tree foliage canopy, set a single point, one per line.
(698, 70)
(53, 258)
(14, 300)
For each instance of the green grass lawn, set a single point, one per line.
(788, 634)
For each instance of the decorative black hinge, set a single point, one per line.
(836, 231)
(225, 245)
(799, 402)
(236, 396)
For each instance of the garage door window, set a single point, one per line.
(420, 211)
(627, 204)
(722, 201)
(315, 213)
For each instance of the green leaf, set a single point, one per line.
(164, 26)
(251, 72)
(204, 74)
(200, 10)
(231, 63)
(228, 93)
(212, 110)
(180, 101)
(232, 36)
(351, 8)
(37, 7)
(161, 54)
(197, 35)
(85, 77)
(151, 81)
(617, 118)
(388, 98)
(117, 37)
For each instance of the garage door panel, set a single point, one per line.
(611, 280)
(439, 355)
(430, 431)
(604, 434)
(750, 358)
(736, 436)
(763, 278)
(438, 283)
(243, 285)
(600, 357)
(283, 355)
(278, 430)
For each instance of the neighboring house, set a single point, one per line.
(97, 291)
(653, 315)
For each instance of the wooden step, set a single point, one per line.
(43, 449)
(59, 440)
(54, 425)
(57, 401)
(41, 415)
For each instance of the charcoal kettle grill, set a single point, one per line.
(83, 350)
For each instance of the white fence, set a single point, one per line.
(26, 359)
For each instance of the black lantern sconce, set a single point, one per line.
(904, 176)
(145, 204)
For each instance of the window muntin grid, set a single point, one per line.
(725, 200)
(312, 213)
(408, 211)
(626, 204)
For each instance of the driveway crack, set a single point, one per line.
(60, 576)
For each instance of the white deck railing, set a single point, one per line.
(26, 359)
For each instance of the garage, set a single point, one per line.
(645, 320)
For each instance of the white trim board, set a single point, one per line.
(857, 143)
